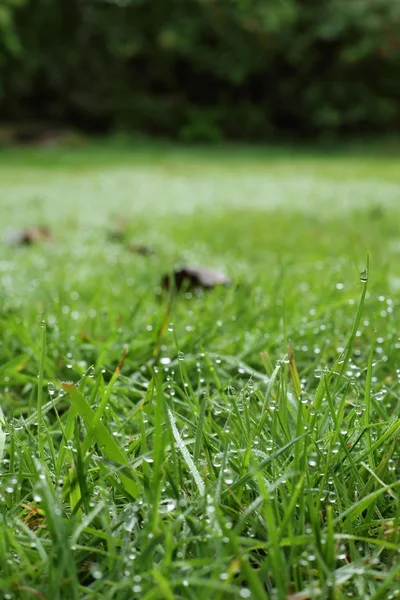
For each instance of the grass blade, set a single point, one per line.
(104, 439)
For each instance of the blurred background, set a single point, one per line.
(200, 70)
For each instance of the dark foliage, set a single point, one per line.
(203, 69)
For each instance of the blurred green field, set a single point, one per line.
(168, 178)
(258, 423)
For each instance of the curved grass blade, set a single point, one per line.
(102, 436)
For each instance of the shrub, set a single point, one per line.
(203, 69)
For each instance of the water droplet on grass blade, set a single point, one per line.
(228, 476)
(364, 276)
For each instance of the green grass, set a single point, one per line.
(240, 443)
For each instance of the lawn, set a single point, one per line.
(240, 442)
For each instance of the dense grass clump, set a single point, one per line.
(235, 443)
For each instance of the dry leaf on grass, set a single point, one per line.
(195, 277)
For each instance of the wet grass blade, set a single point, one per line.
(103, 438)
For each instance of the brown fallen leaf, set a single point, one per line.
(194, 277)
(119, 235)
(141, 249)
(28, 236)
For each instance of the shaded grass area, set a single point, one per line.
(238, 443)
